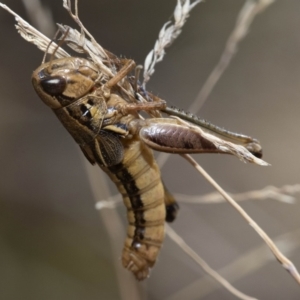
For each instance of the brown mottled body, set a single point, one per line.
(101, 114)
(103, 134)
(138, 180)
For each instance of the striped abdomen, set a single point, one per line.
(138, 180)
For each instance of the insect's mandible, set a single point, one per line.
(101, 114)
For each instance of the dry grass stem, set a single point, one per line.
(167, 36)
(77, 42)
(285, 262)
(191, 253)
(244, 20)
(32, 35)
(75, 17)
(281, 194)
(80, 42)
(244, 265)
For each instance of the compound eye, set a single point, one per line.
(54, 86)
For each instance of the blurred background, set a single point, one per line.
(55, 245)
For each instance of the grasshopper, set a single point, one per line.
(102, 115)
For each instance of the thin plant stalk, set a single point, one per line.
(244, 20)
(240, 267)
(215, 275)
(285, 262)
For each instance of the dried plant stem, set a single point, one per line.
(32, 35)
(281, 194)
(167, 35)
(286, 263)
(240, 267)
(246, 16)
(75, 17)
(191, 253)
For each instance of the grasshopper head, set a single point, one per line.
(63, 81)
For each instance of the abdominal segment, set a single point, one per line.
(138, 180)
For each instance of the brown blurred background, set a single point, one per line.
(53, 244)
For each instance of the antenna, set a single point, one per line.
(55, 50)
